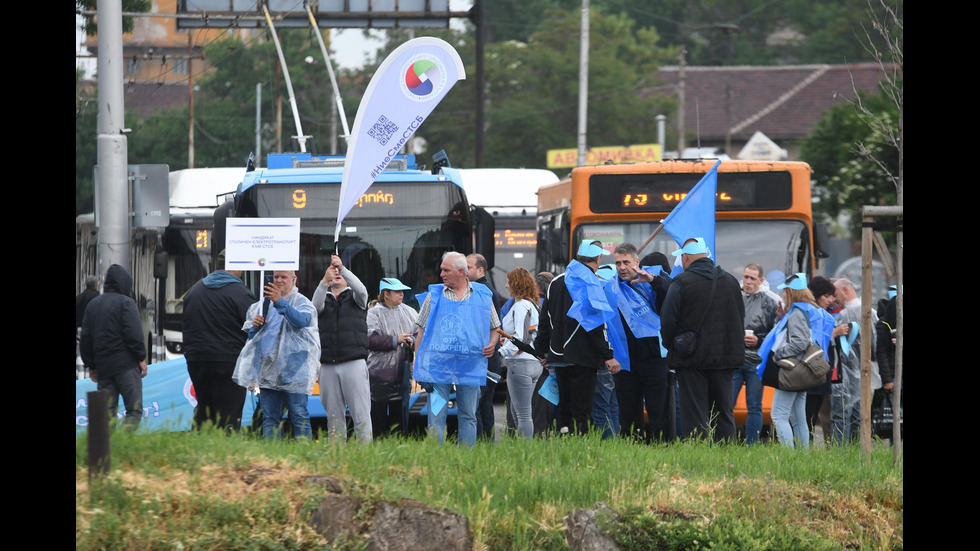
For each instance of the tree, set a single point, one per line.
(856, 150)
(845, 179)
(86, 120)
(532, 92)
(718, 32)
(533, 88)
(88, 21)
(224, 112)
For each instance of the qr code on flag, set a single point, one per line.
(383, 130)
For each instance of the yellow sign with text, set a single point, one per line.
(567, 158)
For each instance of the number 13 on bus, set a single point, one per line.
(763, 213)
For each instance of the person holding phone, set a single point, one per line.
(281, 355)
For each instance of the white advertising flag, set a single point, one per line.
(403, 92)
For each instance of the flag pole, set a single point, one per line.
(649, 239)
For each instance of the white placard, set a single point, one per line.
(265, 244)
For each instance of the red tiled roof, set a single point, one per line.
(783, 102)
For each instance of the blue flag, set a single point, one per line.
(694, 216)
(404, 90)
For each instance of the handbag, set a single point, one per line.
(687, 342)
(882, 415)
(805, 372)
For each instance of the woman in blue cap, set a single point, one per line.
(804, 322)
(390, 324)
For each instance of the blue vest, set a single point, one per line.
(451, 351)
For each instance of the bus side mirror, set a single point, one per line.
(821, 241)
(484, 227)
(563, 236)
(160, 265)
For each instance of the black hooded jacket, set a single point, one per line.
(721, 339)
(112, 335)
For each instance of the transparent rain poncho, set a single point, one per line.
(281, 356)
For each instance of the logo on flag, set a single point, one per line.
(424, 78)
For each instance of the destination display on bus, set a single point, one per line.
(654, 192)
(382, 201)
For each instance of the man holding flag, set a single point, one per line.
(702, 316)
(572, 330)
(701, 326)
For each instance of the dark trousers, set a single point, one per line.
(645, 384)
(576, 392)
(484, 410)
(387, 417)
(219, 399)
(706, 403)
(129, 384)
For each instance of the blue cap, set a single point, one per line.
(392, 284)
(796, 281)
(698, 246)
(589, 249)
(893, 291)
(606, 271)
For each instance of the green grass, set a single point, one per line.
(210, 491)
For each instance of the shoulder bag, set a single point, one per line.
(807, 371)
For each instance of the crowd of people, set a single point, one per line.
(635, 350)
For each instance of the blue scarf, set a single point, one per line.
(590, 305)
(821, 328)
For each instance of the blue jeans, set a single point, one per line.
(467, 399)
(753, 400)
(790, 407)
(272, 401)
(605, 406)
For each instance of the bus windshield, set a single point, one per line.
(397, 229)
(781, 247)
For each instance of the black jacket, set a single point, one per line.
(721, 339)
(343, 329)
(564, 339)
(81, 301)
(214, 312)
(885, 353)
(112, 334)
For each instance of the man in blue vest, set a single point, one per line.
(573, 331)
(457, 333)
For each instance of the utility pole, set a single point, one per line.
(112, 174)
(583, 85)
(480, 37)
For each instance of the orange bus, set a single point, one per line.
(763, 216)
